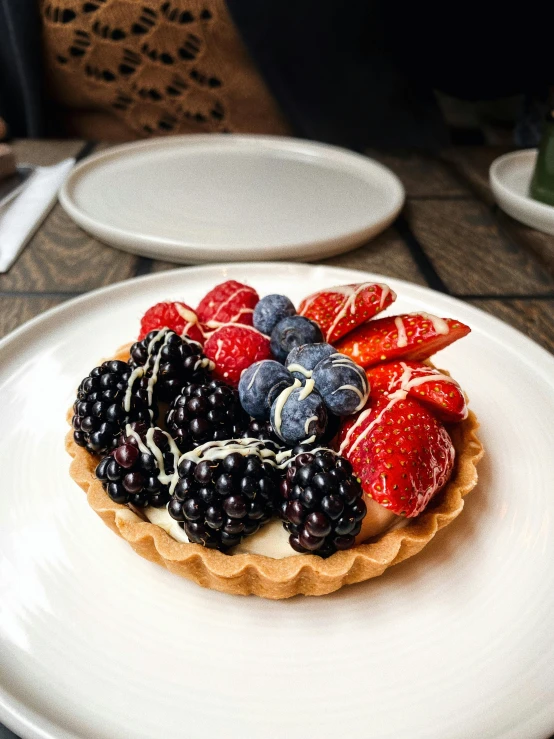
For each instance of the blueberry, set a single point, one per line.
(292, 332)
(299, 417)
(260, 384)
(308, 356)
(270, 310)
(342, 384)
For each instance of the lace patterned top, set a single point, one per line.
(124, 69)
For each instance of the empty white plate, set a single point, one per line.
(217, 197)
(98, 643)
(510, 178)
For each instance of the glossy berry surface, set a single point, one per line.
(219, 502)
(308, 356)
(260, 384)
(228, 302)
(270, 310)
(342, 384)
(300, 417)
(99, 413)
(262, 430)
(181, 361)
(292, 332)
(177, 316)
(130, 475)
(208, 412)
(322, 506)
(233, 349)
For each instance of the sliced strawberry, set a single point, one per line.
(177, 316)
(340, 309)
(233, 348)
(399, 451)
(413, 336)
(229, 302)
(439, 393)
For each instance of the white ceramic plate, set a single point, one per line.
(222, 197)
(97, 643)
(510, 177)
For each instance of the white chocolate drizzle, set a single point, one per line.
(295, 367)
(402, 336)
(215, 450)
(340, 360)
(216, 325)
(393, 399)
(258, 368)
(231, 297)
(440, 326)
(136, 374)
(350, 293)
(190, 317)
(306, 390)
(219, 343)
(307, 425)
(281, 400)
(152, 448)
(402, 385)
(153, 379)
(203, 363)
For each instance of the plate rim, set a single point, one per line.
(114, 287)
(169, 247)
(528, 158)
(30, 724)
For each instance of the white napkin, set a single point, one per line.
(20, 218)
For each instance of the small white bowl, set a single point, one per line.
(510, 177)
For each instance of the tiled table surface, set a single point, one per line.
(450, 237)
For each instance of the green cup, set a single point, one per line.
(542, 184)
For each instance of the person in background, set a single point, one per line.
(354, 73)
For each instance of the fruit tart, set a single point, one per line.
(259, 449)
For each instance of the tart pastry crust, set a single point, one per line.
(302, 574)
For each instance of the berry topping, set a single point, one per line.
(292, 332)
(399, 451)
(414, 336)
(133, 472)
(262, 430)
(270, 310)
(342, 384)
(338, 310)
(233, 348)
(106, 401)
(170, 361)
(298, 413)
(202, 413)
(229, 302)
(323, 503)
(179, 317)
(438, 392)
(224, 493)
(303, 359)
(260, 384)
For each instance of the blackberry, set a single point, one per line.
(175, 361)
(99, 412)
(207, 412)
(131, 473)
(220, 501)
(323, 506)
(262, 430)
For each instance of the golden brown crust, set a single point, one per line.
(244, 574)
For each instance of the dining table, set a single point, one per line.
(450, 236)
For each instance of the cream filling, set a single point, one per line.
(272, 540)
